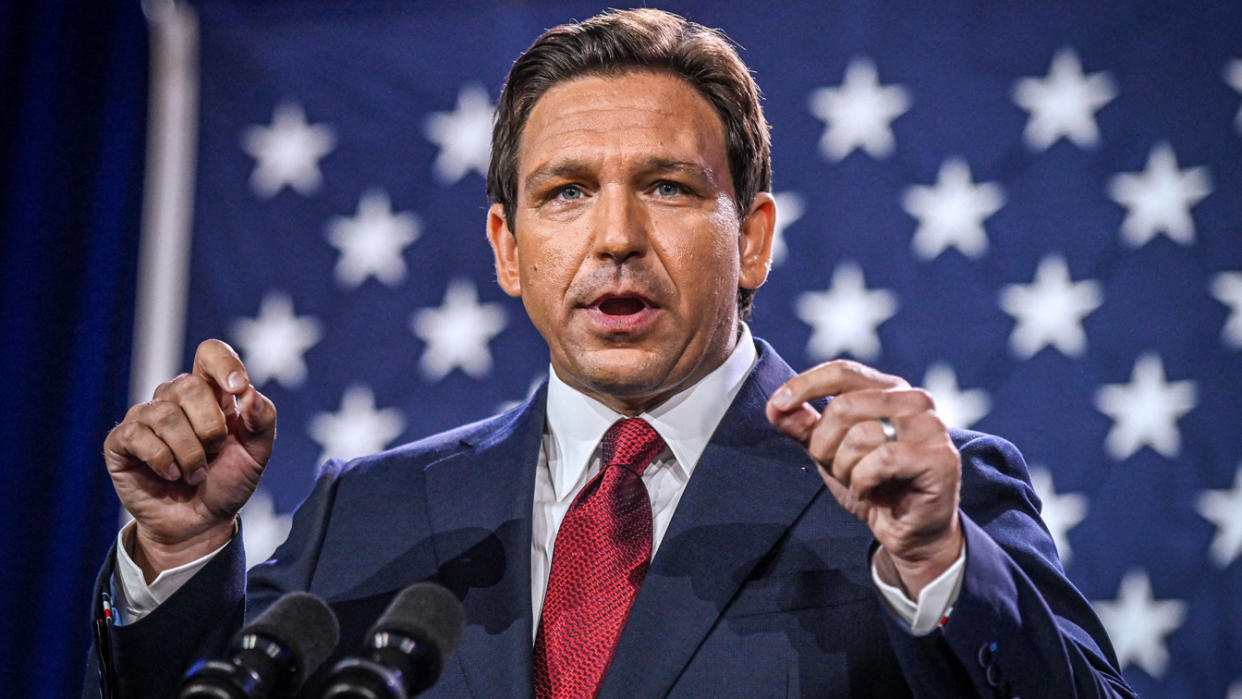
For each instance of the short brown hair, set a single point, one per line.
(617, 42)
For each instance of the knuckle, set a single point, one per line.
(818, 447)
(123, 434)
(165, 413)
(129, 431)
(840, 408)
(162, 390)
(856, 435)
(928, 423)
(922, 398)
(194, 455)
(890, 456)
(214, 431)
(161, 456)
(838, 369)
(171, 388)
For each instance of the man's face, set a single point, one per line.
(629, 247)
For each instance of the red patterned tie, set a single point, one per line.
(602, 553)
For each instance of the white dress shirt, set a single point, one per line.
(568, 460)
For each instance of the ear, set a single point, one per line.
(505, 249)
(755, 241)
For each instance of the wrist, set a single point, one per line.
(154, 556)
(917, 569)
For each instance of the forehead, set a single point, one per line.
(621, 118)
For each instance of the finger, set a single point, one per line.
(216, 361)
(798, 423)
(257, 412)
(923, 431)
(859, 440)
(199, 402)
(871, 404)
(830, 379)
(895, 467)
(846, 411)
(170, 423)
(133, 441)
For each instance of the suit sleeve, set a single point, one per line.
(148, 657)
(1019, 626)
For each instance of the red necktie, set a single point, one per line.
(601, 555)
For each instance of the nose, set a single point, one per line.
(620, 226)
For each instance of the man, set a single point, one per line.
(675, 512)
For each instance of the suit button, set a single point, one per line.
(993, 676)
(987, 654)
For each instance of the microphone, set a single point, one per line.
(272, 656)
(406, 649)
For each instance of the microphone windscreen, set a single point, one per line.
(428, 611)
(305, 625)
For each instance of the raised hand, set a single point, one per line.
(901, 479)
(185, 462)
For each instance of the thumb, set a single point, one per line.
(219, 363)
(256, 413)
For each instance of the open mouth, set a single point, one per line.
(622, 305)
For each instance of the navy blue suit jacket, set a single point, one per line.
(761, 586)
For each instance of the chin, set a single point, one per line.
(623, 373)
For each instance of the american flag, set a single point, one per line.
(1031, 209)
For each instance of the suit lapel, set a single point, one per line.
(479, 508)
(748, 488)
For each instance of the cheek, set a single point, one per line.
(546, 273)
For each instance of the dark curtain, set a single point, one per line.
(73, 88)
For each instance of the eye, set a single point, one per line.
(570, 192)
(669, 189)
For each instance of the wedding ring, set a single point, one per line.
(890, 430)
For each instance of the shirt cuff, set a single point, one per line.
(935, 600)
(132, 597)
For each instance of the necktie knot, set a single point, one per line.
(631, 444)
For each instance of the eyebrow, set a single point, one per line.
(570, 168)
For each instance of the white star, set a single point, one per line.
(1233, 76)
(859, 113)
(287, 152)
(464, 135)
(371, 243)
(844, 318)
(789, 208)
(357, 428)
(1050, 310)
(1060, 513)
(1159, 199)
(956, 408)
(1235, 690)
(1137, 623)
(1224, 509)
(951, 214)
(1064, 103)
(1227, 288)
(264, 528)
(1146, 410)
(457, 332)
(273, 343)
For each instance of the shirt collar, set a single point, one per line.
(685, 421)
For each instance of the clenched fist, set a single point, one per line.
(185, 462)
